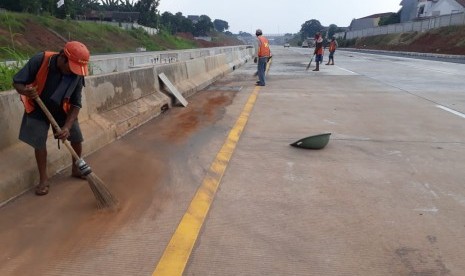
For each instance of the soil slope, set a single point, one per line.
(447, 40)
(28, 34)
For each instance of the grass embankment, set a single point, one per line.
(29, 34)
(22, 35)
(445, 40)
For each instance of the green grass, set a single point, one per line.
(14, 27)
(175, 42)
(13, 21)
(99, 38)
(8, 71)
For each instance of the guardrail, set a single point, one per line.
(111, 63)
(103, 64)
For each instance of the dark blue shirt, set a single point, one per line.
(28, 74)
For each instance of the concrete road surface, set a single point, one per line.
(215, 188)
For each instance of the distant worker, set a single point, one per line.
(57, 78)
(263, 56)
(318, 50)
(332, 48)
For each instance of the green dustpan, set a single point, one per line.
(313, 142)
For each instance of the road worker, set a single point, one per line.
(57, 78)
(263, 56)
(332, 48)
(318, 52)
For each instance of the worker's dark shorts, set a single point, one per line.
(34, 132)
(318, 58)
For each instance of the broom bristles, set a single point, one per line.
(104, 198)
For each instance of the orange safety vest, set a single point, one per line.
(332, 46)
(319, 46)
(39, 84)
(263, 47)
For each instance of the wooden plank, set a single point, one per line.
(173, 89)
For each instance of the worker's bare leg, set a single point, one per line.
(78, 149)
(41, 159)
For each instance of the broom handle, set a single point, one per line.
(56, 126)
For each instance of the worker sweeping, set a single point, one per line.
(318, 52)
(57, 78)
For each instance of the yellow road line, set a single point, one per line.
(177, 253)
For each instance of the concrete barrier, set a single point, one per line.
(113, 105)
(104, 64)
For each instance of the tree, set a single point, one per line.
(220, 25)
(176, 22)
(186, 25)
(30, 6)
(165, 21)
(110, 5)
(244, 34)
(390, 19)
(332, 29)
(148, 12)
(126, 6)
(11, 5)
(203, 26)
(310, 28)
(73, 8)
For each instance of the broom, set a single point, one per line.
(104, 198)
(308, 66)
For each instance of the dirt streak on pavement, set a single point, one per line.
(39, 230)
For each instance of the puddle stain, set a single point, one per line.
(423, 263)
(207, 109)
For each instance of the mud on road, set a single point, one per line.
(50, 231)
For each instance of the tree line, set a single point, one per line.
(148, 13)
(311, 27)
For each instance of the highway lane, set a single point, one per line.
(384, 198)
(426, 56)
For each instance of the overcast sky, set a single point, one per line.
(279, 16)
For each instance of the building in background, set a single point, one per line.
(408, 11)
(370, 21)
(112, 16)
(419, 9)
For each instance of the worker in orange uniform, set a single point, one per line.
(318, 50)
(332, 48)
(263, 55)
(57, 78)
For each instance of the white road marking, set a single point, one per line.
(290, 173)
(346, 70)
(427, 210)
(395, 152)
(427, 186)
(459, 198)
(330, 122)
(451, 111)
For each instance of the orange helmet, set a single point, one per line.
(78, 57)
